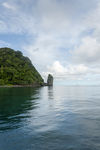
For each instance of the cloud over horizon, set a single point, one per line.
(60, 37)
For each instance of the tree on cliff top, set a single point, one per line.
(15, 69)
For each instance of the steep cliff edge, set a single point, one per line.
(16, 69)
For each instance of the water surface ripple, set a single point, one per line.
(50, 118)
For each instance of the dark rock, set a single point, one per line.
(50, 80)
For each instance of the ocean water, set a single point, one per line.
(50, 118)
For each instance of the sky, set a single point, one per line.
(61, 37)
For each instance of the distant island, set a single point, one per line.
(16, 69)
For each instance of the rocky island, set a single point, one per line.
(17, 70)
(50, 80)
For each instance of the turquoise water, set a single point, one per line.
(50, 118)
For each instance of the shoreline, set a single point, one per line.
(15, 86)
(33, 86)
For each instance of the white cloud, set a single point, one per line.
(57, 68)
(57, 30)
(72, 74)
(9, 6)
(88, 51)
(60, 35)
(92, 21)
(60, 71)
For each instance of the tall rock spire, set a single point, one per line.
(50, 80)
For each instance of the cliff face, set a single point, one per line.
(15, 69)
(50, 80)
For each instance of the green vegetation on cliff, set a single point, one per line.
(15, 69)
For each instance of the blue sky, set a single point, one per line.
(59, 36)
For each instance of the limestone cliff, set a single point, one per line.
(50, 80)
(16, 69)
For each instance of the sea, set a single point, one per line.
(50, 118)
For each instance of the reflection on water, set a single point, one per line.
(50, 118)
(50, 92)
(14, 106)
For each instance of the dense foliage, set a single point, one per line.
(15, 69)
